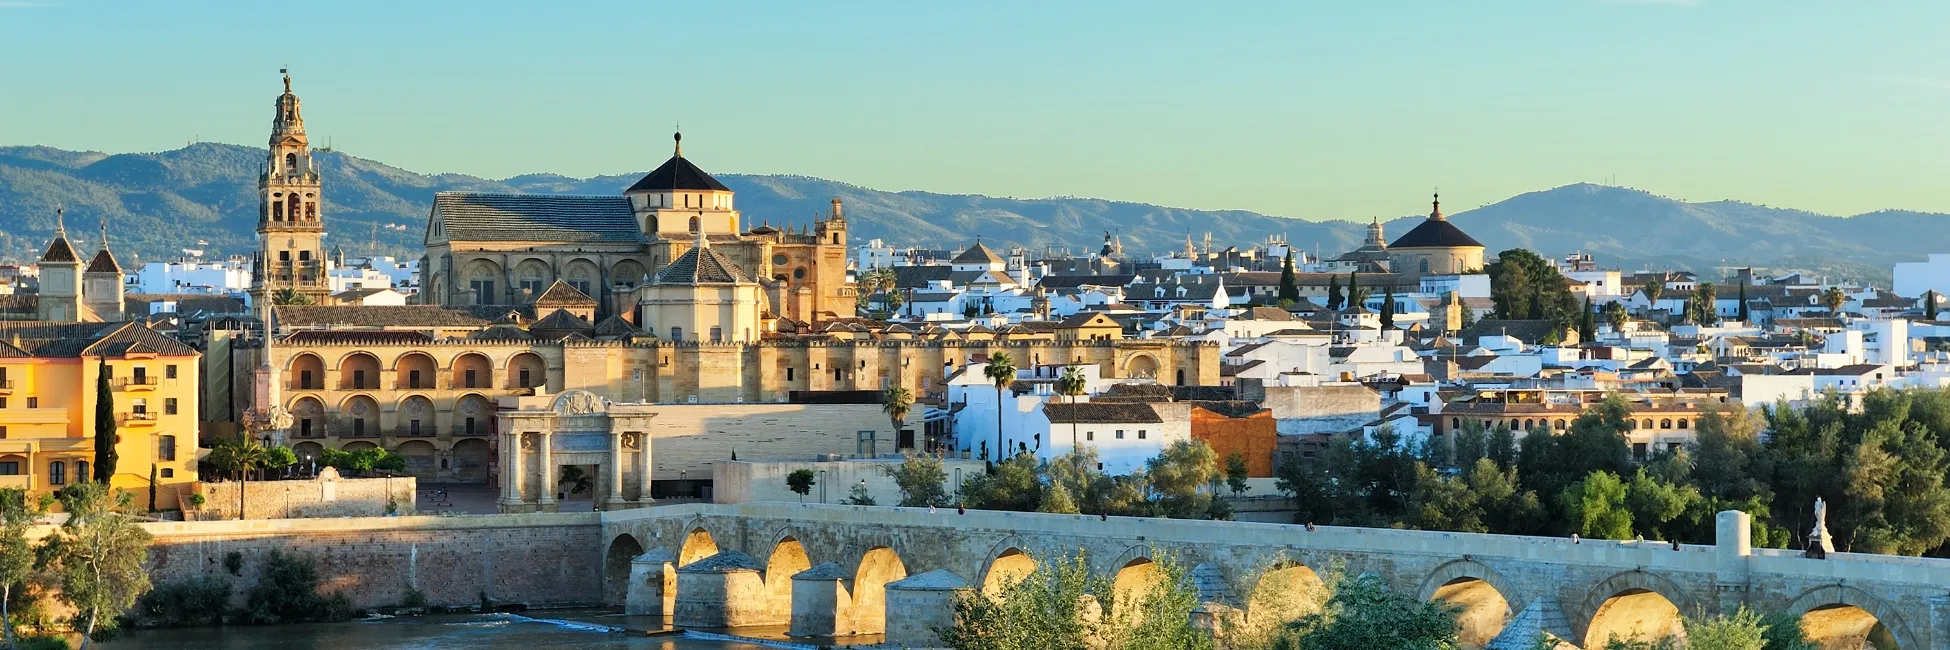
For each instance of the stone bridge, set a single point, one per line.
(830, 570)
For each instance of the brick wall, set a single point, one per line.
(1256, 437)
(536, 559)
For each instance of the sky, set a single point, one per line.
(1313, 109)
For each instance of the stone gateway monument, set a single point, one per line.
(544, 433)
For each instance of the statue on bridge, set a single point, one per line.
(1820, 543)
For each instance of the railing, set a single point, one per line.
(6, 385)
(424, 432)
(134, 383)
(478, 430)
(136, 418)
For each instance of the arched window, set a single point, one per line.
(1560, 424)
(693, 224)
(676, 334)
(81, 470)
(1647, 425)
(1425, 265)
(717, 335)
(1682, 423)
(1514, 425)
(1455, 423)
(57, 473)
(1529, 424)
(1665, 424)
(290, 162)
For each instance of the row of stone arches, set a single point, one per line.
(1633, 604)
(417, 370)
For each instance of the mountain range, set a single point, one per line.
(203, 197)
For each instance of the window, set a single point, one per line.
(529, 286)
(788, 374)
(1089, 435)
(469, 378)
(284, 256)
(864, 445)
(1665, 424)
(1140, 434)
(169, 406)
(141, 375)
(3, 432)
(166, 448)
(304, 428)
(717, 335)
(1120, 434)
(359, 378)
(139, 405)
(524, 379)
(1682, 423)
(1672, 447)
(358, 428)
(57, 473)
(1647, 424)
(169, 371)
(469, 426)
(304, 379)
(799, 273)
(413, 427)
(9, 468)
(413, 379)
(304, 256)
(676, 334)
(169, 472)
(483, 291)
(687, 201)
(81, 467)
(33, 402)
(1455, 423)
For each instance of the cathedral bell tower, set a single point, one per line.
(290, 228)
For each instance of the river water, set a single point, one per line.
(422, 633)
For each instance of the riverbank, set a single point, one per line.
(528, 630)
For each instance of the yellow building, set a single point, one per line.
(1435, 246)
(48, 401)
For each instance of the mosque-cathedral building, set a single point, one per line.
(663, 295)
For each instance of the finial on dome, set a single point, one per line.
(1435, 212)
(60, 223)
(287, 79)
(679, 138)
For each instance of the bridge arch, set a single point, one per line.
(1285, 591)
(878, 566)
(1481, 592)
(616, 567)
(788, 558)
(1634, 605)
(1134, 580)
(1009, 562)
(1844, 616)
(697, 545)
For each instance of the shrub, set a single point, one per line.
(200, 601)
(287, 592)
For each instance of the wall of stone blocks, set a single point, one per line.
(358, 497)
(534, 559)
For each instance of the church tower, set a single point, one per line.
(102, 288)
(60, 299)
(290, 229)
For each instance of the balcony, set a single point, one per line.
(479, 430)
(424, 432)
(134, 383)
(16, 481)
(6, 386)
(136, 419)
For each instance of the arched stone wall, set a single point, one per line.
(1825, 618)
(697, 545)
(1633, 604)
(879, 566)
(616, 567)
(1487, 600)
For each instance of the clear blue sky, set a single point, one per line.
(1298, 108)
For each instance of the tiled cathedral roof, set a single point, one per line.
(60, 251)
(701, 265)
(677, 174)
(471, 216)
(104, 262)
(563, 294)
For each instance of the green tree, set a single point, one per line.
(1587, 322)
(18, 513)
(1014, 485)
(1705, 310)
(1745, 315)
(1364, 613)
(800, 481)
(1356, 296)
(1471, 443)
(1596, 507)
(1237, 473)
(1833, 298)
(104, 424)
(1177, 475)
(1653, 290)
(896, 401)
(1594, 442)
(98, 557)
(1334, 301)
(1929, 305)
(287, 592)
(369, 459)
(922, 481)
(1616, 315)
(1001, 371)
(1070, 385)
(1056, 499)
(573, 476)
(1289, 286)
(289, 296)
(1388, 308)
(239, 456)
(1657, 504)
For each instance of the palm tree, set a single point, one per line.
(896, 401)
(1616, 315)
(1652, 289)
(241, 456)
(1833, 299)
(1070, 385)
(1001, 371)
(289, 296)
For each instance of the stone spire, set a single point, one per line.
(1374, 233)
(1435, 210)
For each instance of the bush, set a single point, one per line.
(287, 592)
(201, 601)
(363, 461)
(41, 643)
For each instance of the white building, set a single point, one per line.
(218, 278)
(1913, 279)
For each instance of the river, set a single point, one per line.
(439, 632)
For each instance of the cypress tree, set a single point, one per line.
(1354, 296)
(1587, 323)
(1388, 309)
(1929, 305)
(104, 424)
(1289, 286)
(1333, 293)
(1744, 316)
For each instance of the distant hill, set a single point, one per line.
(159, 203)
